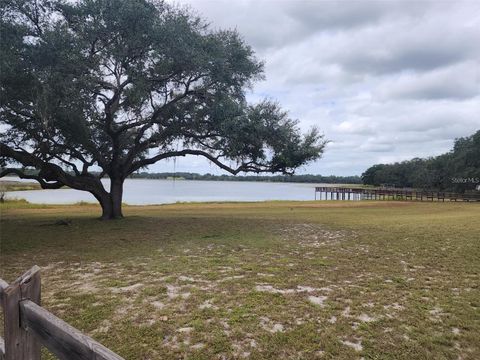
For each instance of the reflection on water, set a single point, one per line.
(143, 192)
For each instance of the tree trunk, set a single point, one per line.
(106, 204)
(112, 202)
(116, 195)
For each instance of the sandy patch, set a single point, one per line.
(357, 346)
(270, 326)
(394, 306)
(366, 318)
(346, 312)
(307, 289)
(207, 304)
(158, 305)
(173, 292)
(332, 320)
(131, 288)
(186, 330)
(272, 290)
(265, 275)
(229, 278)
(313, 235)
(317, 300)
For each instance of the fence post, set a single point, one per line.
(20, 344)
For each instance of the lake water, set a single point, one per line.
(144, 192)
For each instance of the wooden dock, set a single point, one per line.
(351, 193)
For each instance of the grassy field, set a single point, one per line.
(297, 280)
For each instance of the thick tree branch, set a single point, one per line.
(52, 172)
(21, 175)
(249, 166)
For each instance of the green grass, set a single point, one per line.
(297, 280)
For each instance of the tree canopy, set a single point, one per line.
(95, 88)
(457, 170)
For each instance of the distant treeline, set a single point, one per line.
(332, 179)
(458, 170)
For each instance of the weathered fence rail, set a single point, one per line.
(28, 326)
(345, 193)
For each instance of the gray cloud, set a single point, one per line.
(419, 48)
(385, 81)
(333, 15)
(461, 81)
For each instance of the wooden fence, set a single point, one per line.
(28, 326)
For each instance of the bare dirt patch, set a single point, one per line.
(313, 235)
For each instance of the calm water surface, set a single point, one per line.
(143, 192)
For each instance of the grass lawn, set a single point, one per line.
(298, 280)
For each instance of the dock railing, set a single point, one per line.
(28, 326)
(351, 193)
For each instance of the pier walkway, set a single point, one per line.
(352, 193)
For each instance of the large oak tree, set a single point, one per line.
(103, 88)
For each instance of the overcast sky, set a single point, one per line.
(384, 80)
